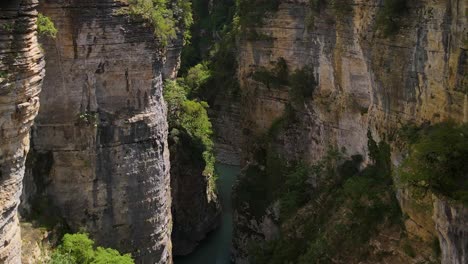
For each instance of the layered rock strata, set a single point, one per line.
(364, 81)
(21, 74)
(101, 134)
(195, 206)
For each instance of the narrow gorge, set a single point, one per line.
(233, 131)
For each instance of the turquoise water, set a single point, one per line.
(215, 249)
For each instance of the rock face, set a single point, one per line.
(195, 207)
(21, 73)
(101, 134)
(364, 81)
(452, 229)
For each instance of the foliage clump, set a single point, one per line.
(45, 26)
(252, 12)
(190, 118)
(334, 219)
(341, 9)
(437, 161)
(302, 81)
(389, 17)
(167, 20)
(79, 249)
(88, 118)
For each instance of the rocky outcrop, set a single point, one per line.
(21, 73)
(101, 135)
(363, 81)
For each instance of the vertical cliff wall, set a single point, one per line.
(195, 205)
(21, 73)
(100, 140)
(362, 80)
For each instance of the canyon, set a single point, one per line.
(306, 97)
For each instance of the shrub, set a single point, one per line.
(79, 246)
(175, 95)
(45, 26)
(79, 249)
(302, 81)
(108, 255)
(302, 84)
(275, 77)
(295, 193)
(197, 77)
(160, 14)
(194, 119)
(437, 161)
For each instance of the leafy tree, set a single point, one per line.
(175, 95)
(166, 20)
(295, 193)
(61, 258)
(45, 26)
(438, 161)
(79, 246)
(79, 249)
(108, 255)
(191, 117)
(197, 76)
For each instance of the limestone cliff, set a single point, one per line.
(359, 80)
(101, 135)
(21, 73)
(195, 206)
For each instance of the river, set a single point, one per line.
(215, 249)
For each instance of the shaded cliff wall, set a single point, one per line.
(102, 129)
(195, 206)
(21, 73)
(364, 81)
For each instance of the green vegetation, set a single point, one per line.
(8, 27)
(197, 77)
(212, 21)
(389, 17)
(278, 76)
(88, 119)
(45, 26)
(302, 81)
(437, 161)
(332, 221)
(212, 53)
(190, 118)
(252, 12)
(79, 249)
(341, 9)
(166, 19)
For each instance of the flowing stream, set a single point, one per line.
(215, 249)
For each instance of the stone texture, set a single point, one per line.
(102, 129)
(452, 228)
(365, 81)
(195, 207)
(225, 116)
(21, 73)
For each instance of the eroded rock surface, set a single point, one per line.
(365, 81)
(101, 134)
(21, 73)
(195, 206)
